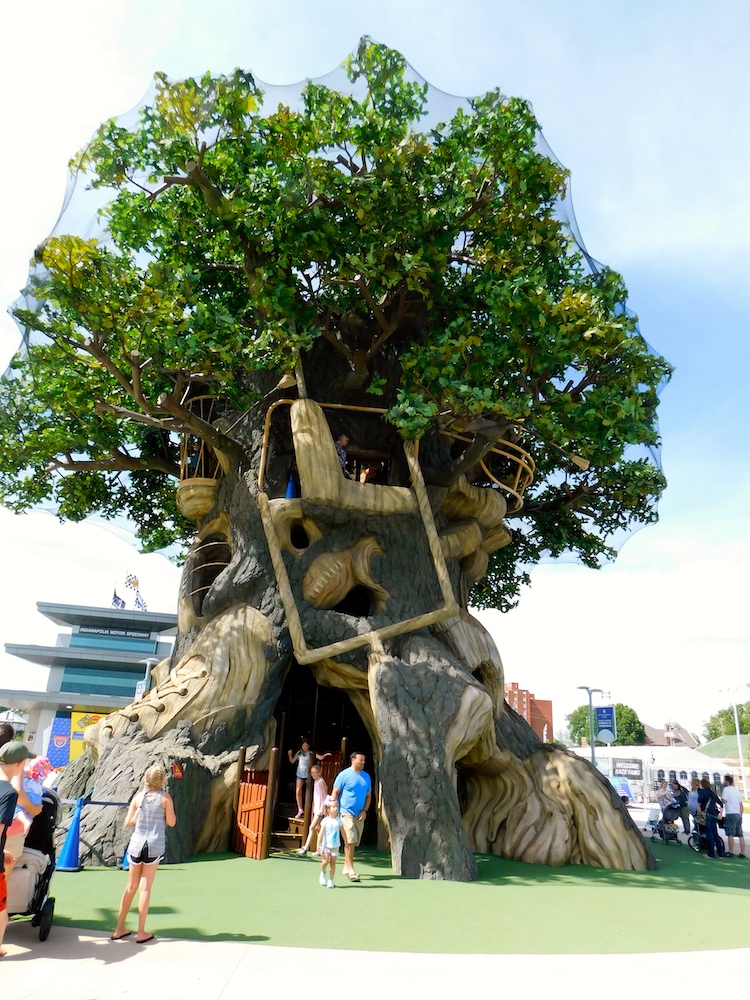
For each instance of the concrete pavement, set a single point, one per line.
(84, 965)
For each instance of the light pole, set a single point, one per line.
(145, 684)
(734, 692)
(592, 739)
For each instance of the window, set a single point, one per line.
(119, 643)
(91, 680)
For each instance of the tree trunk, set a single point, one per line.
(362, 581)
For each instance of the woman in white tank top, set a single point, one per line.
(151, 811)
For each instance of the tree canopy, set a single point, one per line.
(630, 731)
(432, 263)
(722, 723)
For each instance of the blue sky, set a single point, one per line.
(647, 104)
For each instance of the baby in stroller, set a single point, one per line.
(29, 881)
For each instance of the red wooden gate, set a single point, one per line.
(251, 814)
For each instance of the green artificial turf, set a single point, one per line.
(690, 903)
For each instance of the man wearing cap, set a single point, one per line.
(12, 757)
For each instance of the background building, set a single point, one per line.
(93, 670)
(537, 713)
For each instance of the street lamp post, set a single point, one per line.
(150, 662)
(735, 691)
(592, 738)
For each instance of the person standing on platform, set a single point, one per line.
(302, 759)
(353, 791)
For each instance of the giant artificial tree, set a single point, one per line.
(266, 276)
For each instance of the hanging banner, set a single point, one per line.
(605, 723)
(58, 749)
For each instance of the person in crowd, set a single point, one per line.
(150, 811)
(693, 798)
(320, 794)
(709, 804)
(680, 799)
(664, 797)
(13, 756)
(352, 790)
(302, 759)
(733, 809)
(330, 842)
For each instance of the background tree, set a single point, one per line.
(722, 723)
(630, 731)
(386, 259)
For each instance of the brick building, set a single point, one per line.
(537, 713)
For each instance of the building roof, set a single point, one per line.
(680, 737)
(73, 614)
(68, 656)
(77, 701)
(726, 747)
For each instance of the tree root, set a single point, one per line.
(551, 808)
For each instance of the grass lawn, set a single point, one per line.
(690, 903)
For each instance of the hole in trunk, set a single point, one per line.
(298, 536)
(357, 603)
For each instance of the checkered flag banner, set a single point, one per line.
(131, 580)
(139, 602)
(117, 602)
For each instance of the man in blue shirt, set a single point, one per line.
(353, 791)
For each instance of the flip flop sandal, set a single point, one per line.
(120, 936)
(353, 877)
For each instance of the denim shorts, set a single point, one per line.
(732, 825)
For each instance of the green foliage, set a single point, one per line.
(630, 731)
(722, 723)
(433, 261)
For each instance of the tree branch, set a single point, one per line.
(96, 352)
(482, 199)
(202, 428)
(118, 462)
(162, 423)
(484, 441)
(567, 498)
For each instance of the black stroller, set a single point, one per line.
(28, 883)
(698, 840)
